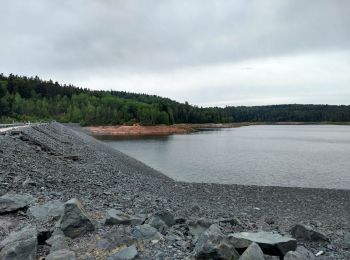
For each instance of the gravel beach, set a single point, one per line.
(55, 162)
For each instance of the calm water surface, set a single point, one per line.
(297, 156)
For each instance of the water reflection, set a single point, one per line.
(303, 156)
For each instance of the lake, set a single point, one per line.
(273, 155)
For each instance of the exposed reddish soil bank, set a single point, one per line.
(135, 130)
(121, 130)
(138, 130)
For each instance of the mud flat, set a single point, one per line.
(124, 208)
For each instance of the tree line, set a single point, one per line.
(33, 99)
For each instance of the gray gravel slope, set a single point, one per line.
(55, 162)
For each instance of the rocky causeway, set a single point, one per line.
(65, 195)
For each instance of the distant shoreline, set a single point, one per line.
(141, 130)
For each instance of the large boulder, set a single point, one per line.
(20, 245)
(63, 254)
(253, 252)
(306, 233)
(12, 202)
(53, 209)
(146, 232)
(128, 253)
(118, 217)
(212, 244)
(75, 221)
(270, 243)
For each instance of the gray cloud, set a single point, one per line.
(76, 40)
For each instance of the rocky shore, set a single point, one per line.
(65, 195)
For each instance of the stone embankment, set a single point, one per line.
(64, 195)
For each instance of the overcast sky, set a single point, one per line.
(207, 52)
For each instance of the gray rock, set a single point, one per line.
(20, 245)
(212, 244)
(128, 253)
(57, 232)
(63, 254)
(346, 241)
(115, 238)
(306, 233)
(301, 253)
(29, 182)
(146, 232)
(52, 209)
(117, 217)
(293, 255)
(272, 257)
(166, 216)
(182, 244)
(7, 224)
(103, 244)
(253, 252)
(306, 253)
(233, 221)
(158, 224)
(171, 237)
(196, 228)
(57, 242)
(270, 243)
(75, 221)
(180, 220)
(12, 202)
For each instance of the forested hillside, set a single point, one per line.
(23, 99)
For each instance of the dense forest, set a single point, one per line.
(33, 99)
